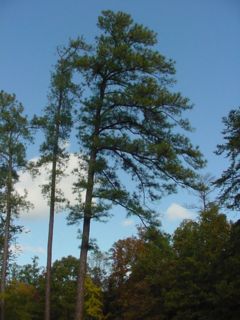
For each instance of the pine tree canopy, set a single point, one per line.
(130, 119)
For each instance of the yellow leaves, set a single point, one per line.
(93, 300)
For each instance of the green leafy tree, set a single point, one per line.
(14, 134)
(198, 246)
(25, 292)
(151, 278)
(22, 301)
(192, 275)
(56, 124)
(226, 302)
(128, 122)
(64, 276)
(30, 273)
(229, 182)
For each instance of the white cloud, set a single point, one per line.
(20, 248)
(177, 212)
(33, 187)
(127, 223)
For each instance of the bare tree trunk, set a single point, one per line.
(6, 241)
(51, 214)
(50, 241)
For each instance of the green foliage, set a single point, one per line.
(30, 273)
(64, 287)
(129, 121)
(199, 247)
(25, 292)
(14, 130)
(22, 301)
(14, 136)
(64, 279)
(228, 285)
(56, 123)
(229, 182)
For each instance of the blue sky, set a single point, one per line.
(201, 36)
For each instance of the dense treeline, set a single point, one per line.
(193, 274)
(118, 96)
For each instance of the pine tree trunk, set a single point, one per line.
(6, 241)
(85, 240)
(50, 242)
(51, 215)
(82, 269)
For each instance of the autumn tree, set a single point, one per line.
(192, 275)
(14, 134)
(123, 255)
(128, 121)
(229, 182)
(141, 274)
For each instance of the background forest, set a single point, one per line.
(116, 123)
(193, 274)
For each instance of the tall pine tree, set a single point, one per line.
(56, 124)
(14, 134)
(128, 123)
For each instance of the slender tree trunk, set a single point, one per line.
(6, 241)
(51, 216)
(85, 241)
(50, 241)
